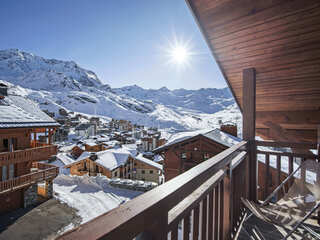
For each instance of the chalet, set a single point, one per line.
(95, 120)
(151, 142)
(267, 52)
(85, 130)
(21, 124)
(77, 150)
(188, 149)
(114, 163)
(147, 170)
(125, 125)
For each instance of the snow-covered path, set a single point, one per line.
(91, 196)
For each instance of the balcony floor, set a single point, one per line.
(271, 232)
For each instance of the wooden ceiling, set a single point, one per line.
(281, 40)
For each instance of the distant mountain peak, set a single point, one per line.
(29, 70)
(56, 84)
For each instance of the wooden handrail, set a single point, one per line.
(289, 154)
(151, 209)
(287, 144)
(22, 181)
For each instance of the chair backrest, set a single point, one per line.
(306, 186)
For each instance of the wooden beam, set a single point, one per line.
(306, 136)
(276, 132)
(295, 118)
(249, 127)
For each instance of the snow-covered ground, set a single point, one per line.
(91, 196)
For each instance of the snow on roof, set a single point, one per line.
(148, 162)
(83, 156)
(112, 160)
(90, 142)
(179, 137)
(216, 135)
(103, 139)
(222, 137)
(17, 111)
(158, 158)
(65, 159)
(111, 143)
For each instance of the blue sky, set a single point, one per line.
(124, 41)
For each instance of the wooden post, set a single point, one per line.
(50, 136)
(249, 127)
(319, 142)
(318, 135)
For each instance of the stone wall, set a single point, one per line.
(31, 196)
(49, 186)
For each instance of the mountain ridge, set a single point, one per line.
(56, 84)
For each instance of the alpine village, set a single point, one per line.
(254, 173)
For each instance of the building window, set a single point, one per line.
(142, 171)
(115, 174)
(151, 171)
(97, 168)
(135, 164)
(84, 166)
(11, 171)
(4, 173)
(6, 144)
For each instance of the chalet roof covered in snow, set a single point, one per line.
(109, 159)
(216, 135)
(112, 160)
(148, 162)
(19, 112)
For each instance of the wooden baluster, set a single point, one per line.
(221, 208)
(216, 213)
(204, 219)
(174, 232)
(210, 222)
(267, 176)
(186, 227)
(303, 171)
(196, 223)
(278, 172)
(290, 171)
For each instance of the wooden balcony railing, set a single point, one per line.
(35, 144)
(25, 180)
(275, 164)
(200, 202)
(30, 154)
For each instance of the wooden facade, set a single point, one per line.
(20, 149)
(184, 155)
(132, 169)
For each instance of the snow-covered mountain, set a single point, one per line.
(56, 84)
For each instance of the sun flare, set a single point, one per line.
(179, 54)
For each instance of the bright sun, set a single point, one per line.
(179, 54)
